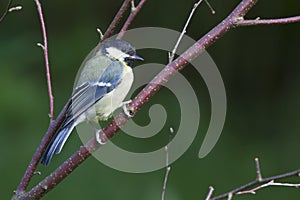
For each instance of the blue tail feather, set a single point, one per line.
(57, 143)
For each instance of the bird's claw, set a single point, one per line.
(126, 111)
(101, 137)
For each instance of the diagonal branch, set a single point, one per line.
(134, 12)
(37, 155)
(84, 152)
(111, 29)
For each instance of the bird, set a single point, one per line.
(102, 85)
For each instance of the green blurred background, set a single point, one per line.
(259, 66)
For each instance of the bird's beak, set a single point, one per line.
(136, 57)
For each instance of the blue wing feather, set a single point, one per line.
(89, 93)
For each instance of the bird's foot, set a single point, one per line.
(101, 137)
(127, 111)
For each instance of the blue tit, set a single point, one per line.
(102, 85)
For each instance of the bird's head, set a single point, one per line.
(120, 50)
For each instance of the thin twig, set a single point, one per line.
(6, 10)
(258, 171)
(210, 7)
(271, 183)
(132, 6)
(210, 192)
(243, 189)
(45, 50)
(110, 30)
(168, 168)
(259, 21)
(172, 54)
(134, 12)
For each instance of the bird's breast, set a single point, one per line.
(112, 100)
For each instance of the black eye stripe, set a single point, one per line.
(129, 61)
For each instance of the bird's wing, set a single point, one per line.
(88, 93)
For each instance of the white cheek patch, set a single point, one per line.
(116, 53)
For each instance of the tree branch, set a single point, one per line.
(84, 152)
(258, 21)
(38, 153)
(210, 192)
(134, 12)
(45, 50)
(111, 29)
(271, 183)
(265, 182)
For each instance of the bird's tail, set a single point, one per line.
(57, 142)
